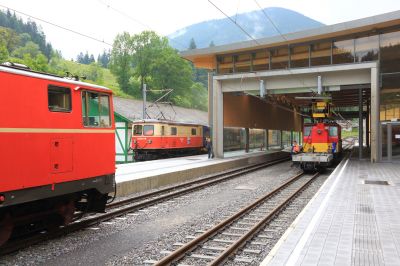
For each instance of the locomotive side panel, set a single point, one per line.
(153, 139)
(166, 136)
(43, 145)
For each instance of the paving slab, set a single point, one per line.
(347, 222)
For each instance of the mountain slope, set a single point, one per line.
(223, 31)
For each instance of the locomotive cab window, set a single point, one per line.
(137, 130)
(174, 131)
(95, 109)
(59, 99)
(193, 132)
(307, 131)
(333, 131)
(148, 130)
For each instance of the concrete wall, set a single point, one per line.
(251, 112)
(159, 180)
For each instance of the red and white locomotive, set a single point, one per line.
(153, 139)
(322, 143)
(57, 149)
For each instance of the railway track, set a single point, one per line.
(133, 204)
(232, 236)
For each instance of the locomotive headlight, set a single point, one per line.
(149, 141)
(2, 199)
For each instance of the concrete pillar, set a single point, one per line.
(389, 141)
(375, 124)
(247, 144)
(218, 119)
(291, 137)
(360, 124)
(367, 129)
(210, 99)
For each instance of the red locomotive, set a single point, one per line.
(57, 149)
(322, 142)
(153, 139)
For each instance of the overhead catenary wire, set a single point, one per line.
(56, 25)
(270, 20)
(146, 26)
(234, 22)
(276, 28)
(125, 15)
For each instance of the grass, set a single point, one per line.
(352, 133)
(108, 79)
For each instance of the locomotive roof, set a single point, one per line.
(157, 121)
(47, 76)
(326, 123)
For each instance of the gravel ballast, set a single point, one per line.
(134, 238)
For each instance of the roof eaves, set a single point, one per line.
(329, 29)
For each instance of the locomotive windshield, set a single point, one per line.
(148, 130)
(333, 131)
(96, 109)
(137, 130)
(307, 131)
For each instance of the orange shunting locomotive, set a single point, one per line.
(321, 140)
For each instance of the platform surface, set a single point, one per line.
(348, 222)
(137, 170)
(143, 176)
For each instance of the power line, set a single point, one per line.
(277, 29)
(234, 22)
(270, 20)
(280, 33)
(56, 25)
(126, 15)
(135, 20)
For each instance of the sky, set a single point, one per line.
(104, 19)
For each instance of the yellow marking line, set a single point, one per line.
(55, 130)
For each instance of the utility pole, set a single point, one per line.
(144, 101)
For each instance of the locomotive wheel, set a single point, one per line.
(6, 228)
(67, 211)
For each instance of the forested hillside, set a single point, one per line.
(223, 31)
(147, 58)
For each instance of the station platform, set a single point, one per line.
(142, 176)
(354, 219)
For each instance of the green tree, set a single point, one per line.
(9, 20)
(10, 38)
(39, 63)
(24, 38)
(104, 59)
(3, 53)
(192, 44)
(199, 96)
(146, 48)
(121, 60)
(94, 73)
(148, 58)
(30, 48)
(171, 71)
(136, 56)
